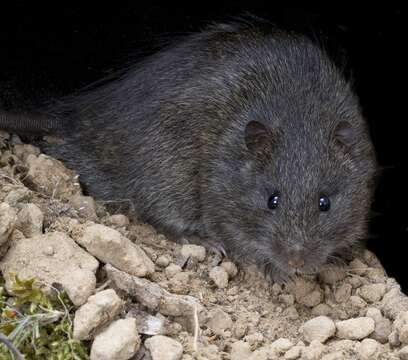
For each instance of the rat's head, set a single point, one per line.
(302, 193)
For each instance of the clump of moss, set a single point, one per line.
(39, 327)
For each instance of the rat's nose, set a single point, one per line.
(296, 261)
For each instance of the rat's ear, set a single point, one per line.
(344, 134)
(258, 138)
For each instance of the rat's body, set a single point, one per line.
(202, 134)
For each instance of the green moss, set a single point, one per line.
(40, 328)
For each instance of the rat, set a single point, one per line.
(242, 136)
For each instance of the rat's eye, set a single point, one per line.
(273, 201)
(324, 203)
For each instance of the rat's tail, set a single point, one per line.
(30, 123)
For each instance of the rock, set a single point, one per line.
(332, 275)
(322, 310)
(294, 353)
(372, 292)
(109, 246)
(368, 349)
(291, 313)
(276, 289)
(254, 339)
(118, 341)
(23, 150)
(320, 328)
(240, 328)
(343, 293)
(312, 299)
(382, 325)
(172, 270)
(358, 267)
(230, 268)
(30, 220)
(8, 218)
(97, 311)
(193, 251)
(306, 292)
(84, 205)
(357, 303)
(180, 283)
(163, 261)
(313, 351)
(219, 276)
(338, 355)
(17, 195)
(164, 348)
(401, 327)
(118, 220)
(355, 329)
(52, 258)
(152, 296)
(240, 350)
(403, 353)
(393, 339)
(219, 321)
(287, 299)
(49, 176)
(281, 345)
(153, 325)
(394, 302)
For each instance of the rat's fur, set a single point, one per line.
(172, 135)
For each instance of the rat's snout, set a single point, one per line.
(296, 259)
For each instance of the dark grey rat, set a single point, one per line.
(241, 136)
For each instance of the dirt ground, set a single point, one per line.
(140, 296)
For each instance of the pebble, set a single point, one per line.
(193, 251)
(172, 270)
(357, 302)
(368, 349)
(332, 275)
(343, 293)
(164, 348)
(30, 220)
(219, 276)
(312, 299)
(109, 246)
(118, 220)
(372, 292)
(313, 351)
(287, 299)
(294, 353)
(355, 329)
(319, 328)
(119, 341)
(230, 268)
(85, 205)
(240, 350)
(382, 330)
(97, 311)
(8, 218)
(403, 353)
(281, 345)
(358, 267)
(322, 310)
(63, 262)
(219, 321)
(163, 261)
(338, 355)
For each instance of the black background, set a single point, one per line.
(53, 48)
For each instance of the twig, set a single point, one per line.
(196, 328)
(6, 341)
